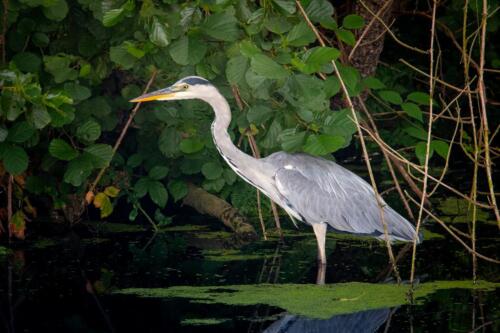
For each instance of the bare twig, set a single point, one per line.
(123, 132)
(440, 222)
(368, 27)
(482, 99)
(396, 39)
(428, 143)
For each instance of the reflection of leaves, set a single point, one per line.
(460, 211)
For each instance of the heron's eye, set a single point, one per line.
(185, 86)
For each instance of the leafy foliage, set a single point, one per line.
(64, 98)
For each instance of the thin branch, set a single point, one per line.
(482, 99)
(441, 223)
(123, 132)
(368, 27)
(428, 143)
(389, 31)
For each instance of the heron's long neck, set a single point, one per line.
(235, 157)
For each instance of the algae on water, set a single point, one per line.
(311, 301)
(203, 321)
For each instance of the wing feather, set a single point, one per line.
(319, 190)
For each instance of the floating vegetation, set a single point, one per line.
(108, 227)
(312, 301)
(203, 321)
(232, 255)
(44, 243)
(457, 210)
(185, 228)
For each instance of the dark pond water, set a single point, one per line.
(80, 282)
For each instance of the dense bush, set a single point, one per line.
(72, 66)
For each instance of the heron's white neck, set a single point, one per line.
(233, 156)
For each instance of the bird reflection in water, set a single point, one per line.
(360, 322)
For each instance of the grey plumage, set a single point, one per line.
(311, 189)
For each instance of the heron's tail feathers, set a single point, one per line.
(399, 228)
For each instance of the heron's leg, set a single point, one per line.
(320, 232)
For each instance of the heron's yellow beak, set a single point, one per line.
(162, 94)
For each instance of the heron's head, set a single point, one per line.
(187, 88)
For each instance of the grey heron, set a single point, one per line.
(310, 189)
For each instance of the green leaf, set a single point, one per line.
(420, 150)
(191, 145)
(76, 91)
(416, 132)
(419, 98)
(88, 131)
(20, 132)
(331, 86)
(248, 49)
(318, 57)
(62, 150)
(229, 176)
(292, 140)
(259, 113)
(353, 21)
(211, 170)
(135, 160)
(441, 148)
(349, 75)
(286, 6)
(346, 36)
(267, 67)
(214, 185)
(141, 186)
(158, 193)
(60, 67)
(101, 154)
(4, 132)
(236, 68)
(169, 140)
(413, 110)
(158, 172)
(15, 159)
(391, 96)
(300, 35)
(373, 83)
(178, 189)
(323, 144)
(319, 10)
(27, 62)
(112, 17)
(187, 51)
(78, 170)
(39, 116)
(40, 39)
(158, 35)
(121, 56)
(56, 11)
(221, 26)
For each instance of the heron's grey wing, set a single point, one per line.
(322, 191)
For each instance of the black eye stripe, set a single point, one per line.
(195, 80)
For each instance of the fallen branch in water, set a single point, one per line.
(207, 203)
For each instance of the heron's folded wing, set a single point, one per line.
(342, 205)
